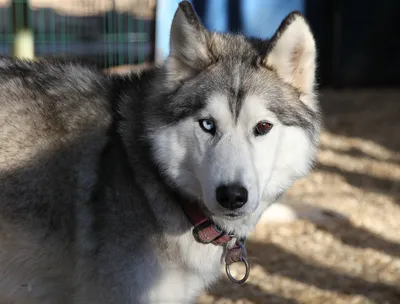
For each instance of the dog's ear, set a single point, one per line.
(292, 54)
(189, 44)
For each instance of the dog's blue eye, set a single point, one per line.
(207, 125)
(262, 128)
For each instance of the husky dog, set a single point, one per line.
(138, 188)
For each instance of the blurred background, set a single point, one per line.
(335, 237)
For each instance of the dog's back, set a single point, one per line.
(53, 124)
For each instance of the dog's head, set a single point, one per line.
(237, 118)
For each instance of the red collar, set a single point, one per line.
(206, 232)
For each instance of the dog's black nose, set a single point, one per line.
(231, 196)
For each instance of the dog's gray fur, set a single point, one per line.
(89, 199)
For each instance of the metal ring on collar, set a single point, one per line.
(246, 275)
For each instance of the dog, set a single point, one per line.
(138, 188)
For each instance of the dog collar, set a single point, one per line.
(206, 232)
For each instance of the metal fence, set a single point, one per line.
(105, 32)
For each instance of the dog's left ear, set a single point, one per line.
(189, 44)
(292, 54)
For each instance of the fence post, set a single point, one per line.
(23, 37)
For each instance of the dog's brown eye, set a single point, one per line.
(262, 128)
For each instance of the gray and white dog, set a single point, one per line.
(103, 178)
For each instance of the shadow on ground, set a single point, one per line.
(371, 114)
(305, 272)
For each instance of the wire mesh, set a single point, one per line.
(105, 32)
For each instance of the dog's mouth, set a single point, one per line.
(230, 215)
(233, 215)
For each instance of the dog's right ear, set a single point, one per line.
(189, 45)
(292, 55)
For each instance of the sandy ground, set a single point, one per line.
(343, 242)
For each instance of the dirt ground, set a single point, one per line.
(344, 247)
